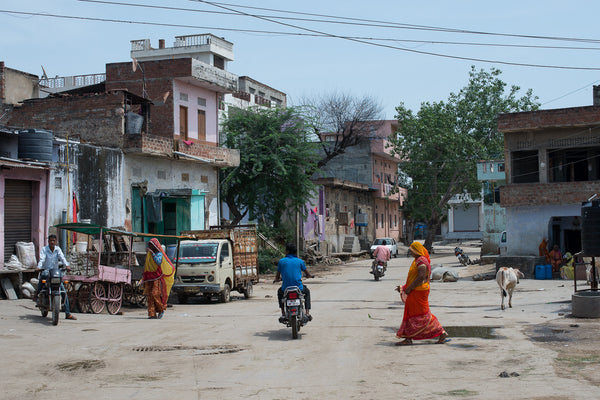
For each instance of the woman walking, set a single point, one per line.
(158, 279)
(418, 322)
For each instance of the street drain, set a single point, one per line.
(198, 350)
(483, 332)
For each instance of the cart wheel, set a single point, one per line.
(71, 294)
(115, 297)
(83, 298)
(97, 297)
(128, 297)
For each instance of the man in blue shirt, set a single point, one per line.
(50, 256)
(289, 271)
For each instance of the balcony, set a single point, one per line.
(160, 146)
(194, 46)
(261, 101)
(385, 191)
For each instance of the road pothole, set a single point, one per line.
(198, 350)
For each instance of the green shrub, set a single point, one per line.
(267, 260)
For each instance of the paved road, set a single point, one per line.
(239, 350)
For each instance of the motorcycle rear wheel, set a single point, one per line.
(55, 309)
(294, 324)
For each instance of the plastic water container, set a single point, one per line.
(548, 271)
(540, 271)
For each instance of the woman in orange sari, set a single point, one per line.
(158, 279)
(418, 322)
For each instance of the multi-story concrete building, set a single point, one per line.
(361, 196)
(552, 162)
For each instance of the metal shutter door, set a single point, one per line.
(17, 214)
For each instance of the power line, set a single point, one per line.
(400, 48)
(314, 32)
(413, 26)
(349, 23)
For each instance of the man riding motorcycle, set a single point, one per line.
(382, 253)
(50, 256)
(289, 271)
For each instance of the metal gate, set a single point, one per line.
(17, 214)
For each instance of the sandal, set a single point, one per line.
(71, 316)
(443, 338)
(405, 342)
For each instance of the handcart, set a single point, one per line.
(107, 272)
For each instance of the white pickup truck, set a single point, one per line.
(216, 261)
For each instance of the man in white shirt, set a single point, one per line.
(50, 256)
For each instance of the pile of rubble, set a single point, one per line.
(312, 255)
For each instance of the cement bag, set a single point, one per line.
(450, 276)
(26, 254)
(13, 263)
(34, 281)
(27, 286)
(26, 293)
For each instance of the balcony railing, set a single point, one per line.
(242, 95)
(261, 101)
(72, 81)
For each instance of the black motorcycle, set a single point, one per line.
(51, 296)
(294, 310)
(378, 269)
(462, 257)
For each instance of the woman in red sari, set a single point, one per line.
(418, 322)
(158, 279)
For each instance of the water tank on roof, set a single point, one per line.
(35, 144)
(590, 228)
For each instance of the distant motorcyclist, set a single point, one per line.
(50, 256)
(382, 253)
(289, 271)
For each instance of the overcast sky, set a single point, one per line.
(398, 51)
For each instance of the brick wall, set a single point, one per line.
(92, 118)
(561, 117)
(157, 79)
(541, 194)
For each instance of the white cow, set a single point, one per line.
(507, 279)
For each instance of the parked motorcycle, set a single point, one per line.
(52, 296)
(378, 268)
(462, 257)
(294, 310)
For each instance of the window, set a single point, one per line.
(219, 62)
(183, 96)
(183, 122)
(201, 125)
(573, 165)
(525, 167)
(343, 218)
(201, 101)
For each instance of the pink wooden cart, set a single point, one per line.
(99, 282)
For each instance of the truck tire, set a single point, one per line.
(225, 295)
(248, 290)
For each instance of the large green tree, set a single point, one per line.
(275, 153)
(441, 144)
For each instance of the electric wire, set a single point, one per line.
(314, 32)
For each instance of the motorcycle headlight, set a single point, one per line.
(55, 281)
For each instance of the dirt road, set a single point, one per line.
(239, 350)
